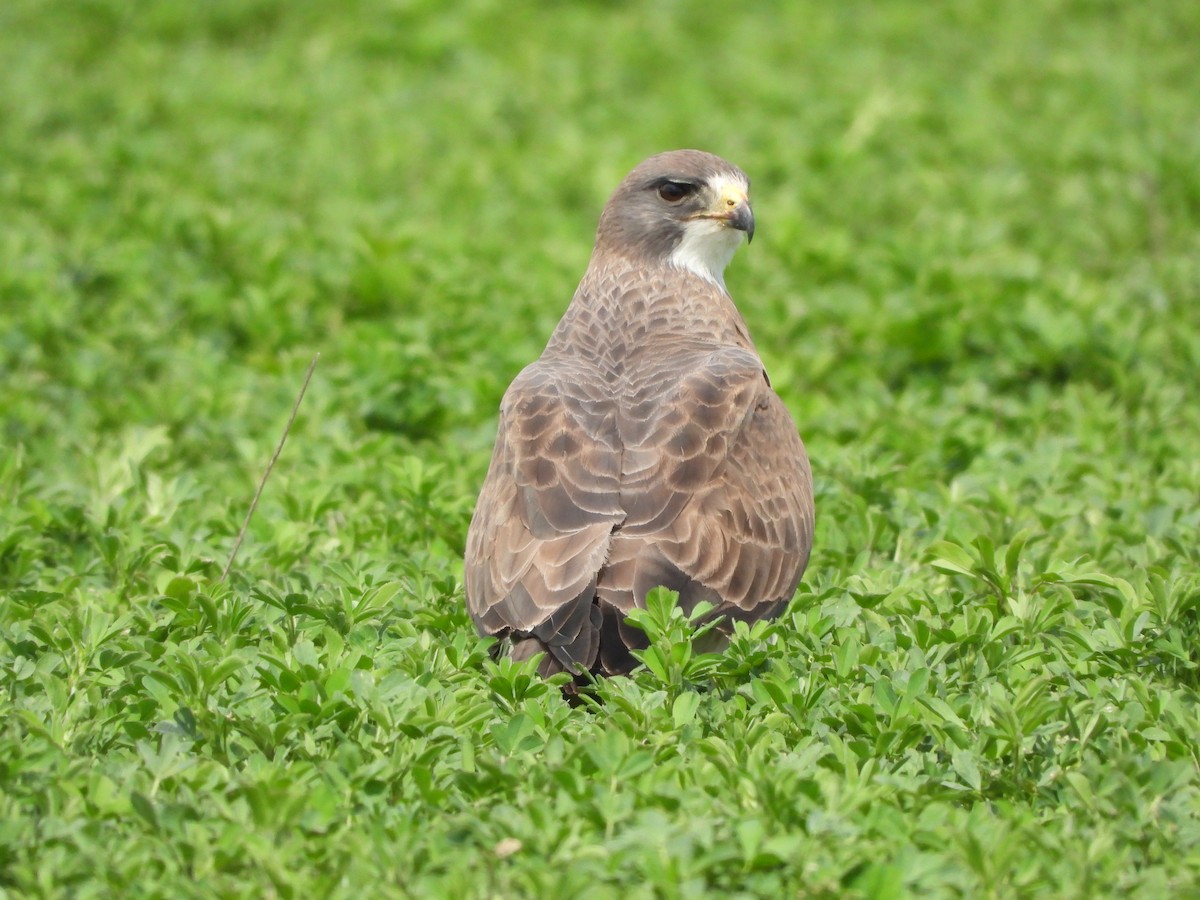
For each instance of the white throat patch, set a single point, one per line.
(706, 249)
(708, 245)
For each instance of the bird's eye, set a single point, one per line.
(674, 191)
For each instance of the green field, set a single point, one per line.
(976, 284)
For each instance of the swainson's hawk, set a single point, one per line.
(645, 446)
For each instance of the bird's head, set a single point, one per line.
(684, 208)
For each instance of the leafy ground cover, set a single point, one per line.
(976, 284)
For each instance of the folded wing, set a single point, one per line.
(693, 477)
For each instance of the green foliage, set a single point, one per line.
(671, 657)
(976, 283)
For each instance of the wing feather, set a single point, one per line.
(545, 515)
(729, 501)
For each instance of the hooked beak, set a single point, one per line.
(733, 208)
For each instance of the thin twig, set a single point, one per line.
(267, 474)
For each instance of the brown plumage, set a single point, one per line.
(645, 446)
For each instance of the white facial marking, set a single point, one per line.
(706, 249)
(708, 244)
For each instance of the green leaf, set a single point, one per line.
(683, 711)
(305, 653)
(950, 559)
(144, 807)
(967, 767)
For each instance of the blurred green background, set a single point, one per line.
(975, 282)
(197, 198)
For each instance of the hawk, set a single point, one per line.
(645, 447)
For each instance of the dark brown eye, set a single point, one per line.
(674, 191)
